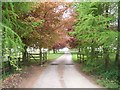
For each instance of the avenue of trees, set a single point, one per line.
(91, 27)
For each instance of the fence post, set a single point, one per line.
(80, 57)
(46, 57)
(3, 69)
(40, 56)
(19, 65)
(83, 57)
(28, 58)
(43, 58)
(77, 57)
(9, 65)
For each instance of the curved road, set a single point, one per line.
(62, 73)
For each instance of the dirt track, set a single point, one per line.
(61, 73)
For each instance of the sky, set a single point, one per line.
(69, 0)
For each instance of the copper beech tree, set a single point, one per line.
(51, 17)
(49, 25)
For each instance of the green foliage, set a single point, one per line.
(91, 25)
(108, 83)
(107, 78)
(38, 23)
(11, 42)
(23, 7)
(93, 29)
(11, 39)
(97, 38)
(14, 28)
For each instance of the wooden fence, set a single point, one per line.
(7, 67)
(81, 57)
(36, 57)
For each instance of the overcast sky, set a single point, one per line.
(69, 0)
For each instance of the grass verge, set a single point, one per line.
(106, 78)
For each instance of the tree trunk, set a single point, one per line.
(106, 57)
(78, 49)
(118, 48)
(54, 51)
(105, 50)
(24, 58)
(92, 53)
(117, 58)
(40, 56)
(107, 8)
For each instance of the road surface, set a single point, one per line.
(62, 73)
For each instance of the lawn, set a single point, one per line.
(74, 57)
(52, 56)
(74, 54)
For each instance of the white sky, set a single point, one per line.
(66, 14)
(69, 0)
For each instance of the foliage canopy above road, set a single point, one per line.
(91, 27)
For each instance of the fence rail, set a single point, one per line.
(7, 67)
(41, 59)
(81, 57)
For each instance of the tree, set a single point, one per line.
(91, 28)
(118, 38)
(45, 34)
(14, 28)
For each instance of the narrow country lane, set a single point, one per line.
(62, 73)
(40, 40)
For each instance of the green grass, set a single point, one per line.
(106, 78)
(74, 57)
(52, 56)
(73, 51)
(74, 54)
(108, 83)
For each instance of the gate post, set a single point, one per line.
(43, 57)
(40, 56)
(28, 58)
(46, 56)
